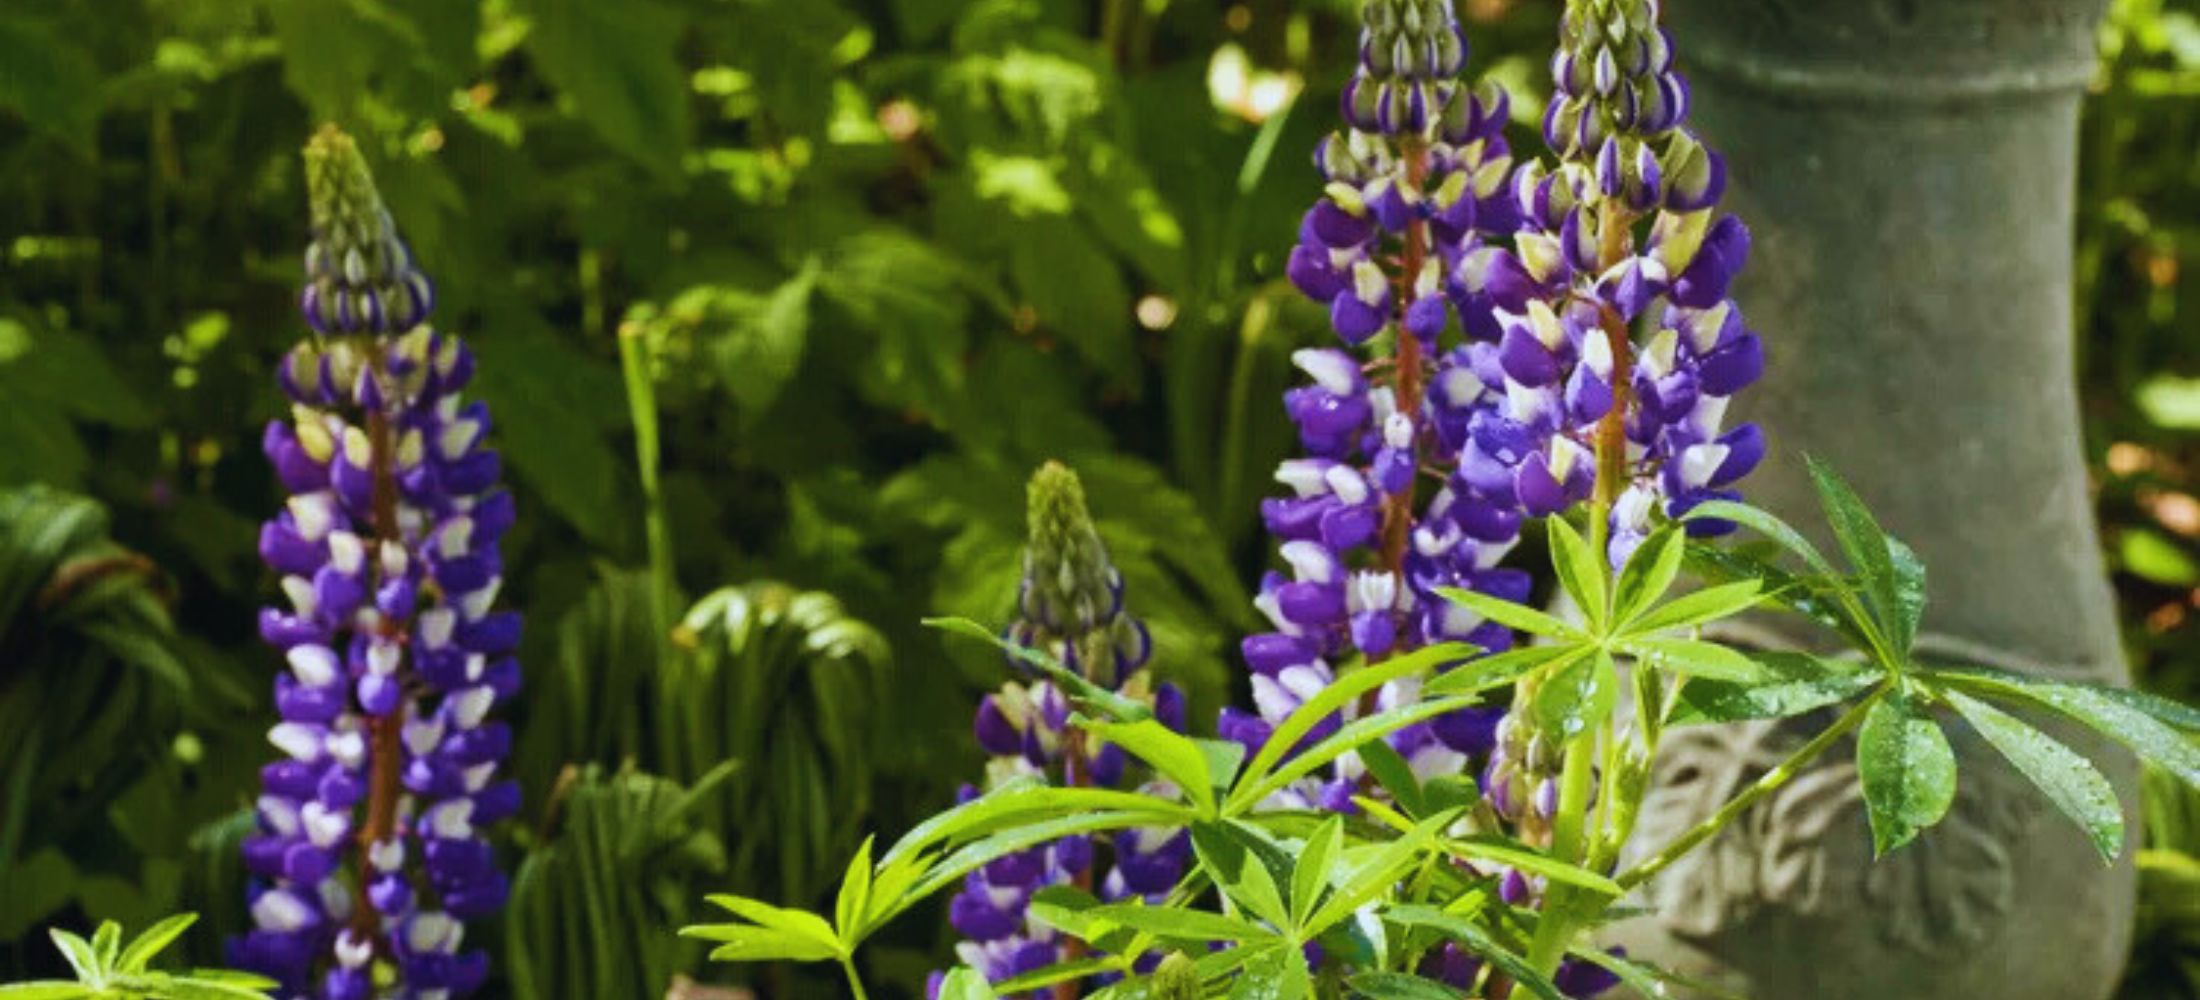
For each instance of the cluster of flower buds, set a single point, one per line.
(1070, 607)
(388, 556)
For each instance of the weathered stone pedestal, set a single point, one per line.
(1907, 168)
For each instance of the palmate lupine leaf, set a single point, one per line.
(106, 969)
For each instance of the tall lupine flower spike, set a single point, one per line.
(368, 854)
(1377, 517)
(1069, 605)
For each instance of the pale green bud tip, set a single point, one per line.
(339, 187)
(1176, 979)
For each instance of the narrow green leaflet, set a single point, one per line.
(799, 923)
(1310, 873)
(1909, 589)
(1275, 973)
(1580, 571)
(854, 901)
(1472, 937)
(1578, 696)
(1766, 524)
(1697, 607)
(1696, 658)
(1026, 801)
(1499, 669)
(2069, 780)
(1511, 615)
(1084, 692)
(1792, 683)
(1400, 986)
(1865, 544)
(150, 943)
(1649, 573)
(1396, 776)
(44, 989)
(1180, 924)
(966, 984)
(1508, 853)
(80, 954)
(1246, 866)
(1345, 691)
(1649, 980)
(1375, 871)
(1907, 769)
(1351, 737)
(107, 943)
(751, 943)
(1062, 972)
(2135, 719)
(1172, 755)
(968, 858)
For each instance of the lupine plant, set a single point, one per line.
(368, 855)
(1421, 804)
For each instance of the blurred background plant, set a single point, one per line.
(766, 291)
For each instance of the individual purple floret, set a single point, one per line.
(368, 854)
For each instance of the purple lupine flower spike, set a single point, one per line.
(1070, 604)
(395, 654)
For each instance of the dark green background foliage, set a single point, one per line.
(885, 256)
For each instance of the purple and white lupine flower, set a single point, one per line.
(395, 653)
(1070, 605)
(1416, 188)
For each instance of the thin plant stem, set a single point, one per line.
(1771, 782)
(641, 404)
(855, 982)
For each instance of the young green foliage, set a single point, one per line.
(108, 970)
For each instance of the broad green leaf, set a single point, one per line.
(155, 938)
(1400, 986)
(1508, 614)
(2070, 781)
(1475, 939)
(1698, 607)
(965, 984)
(762, 342)
(82, 957)
(1578, 696)
(1792, 683)
(1275, 973)
(1346, 690)
(2135, 719)
(1649, 573)
(50, 80)
(1580, 572)
(1500, 669)
(1351, 737)
(801, 923)
(1907, 769)
(1697, 659)
(1310, 873)
(1865, 544)
(750, 943)
(1170, 754)
(1180, 924)
(616, 63)
(1533, 862)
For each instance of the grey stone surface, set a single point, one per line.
(1907, 168)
